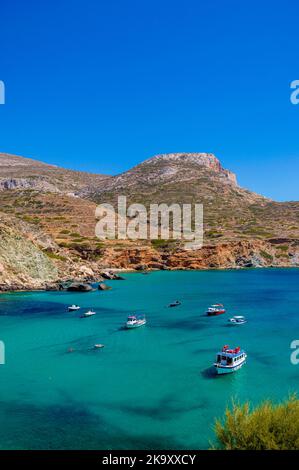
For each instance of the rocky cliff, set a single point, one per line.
(238, 254)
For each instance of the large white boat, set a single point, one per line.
(73, 308)
(230, 360)
(237, 320)
(134, 321)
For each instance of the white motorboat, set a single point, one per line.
(230, 360)
(99, 346)
(90, 313)
(134, 321)
(73, 308)
(237, 320)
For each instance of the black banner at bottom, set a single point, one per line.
(134, 459)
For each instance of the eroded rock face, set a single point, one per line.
(23, 264)
(23, 183)
(240, 254)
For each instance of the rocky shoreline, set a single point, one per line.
(277, 253)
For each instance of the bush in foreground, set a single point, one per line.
(266, 427)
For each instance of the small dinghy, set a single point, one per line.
(175, 304)
(73, 308)
(90, 313)
(230, 360)
(134, 322)
(237, 320)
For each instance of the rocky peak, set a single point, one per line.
(207, 160)
(203, 159)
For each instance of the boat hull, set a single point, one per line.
(221, 370)
(136, 325)
(213, 314)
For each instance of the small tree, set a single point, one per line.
(266, 427)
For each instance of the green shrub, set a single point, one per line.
(283, 247)
(266, 255)
(214, 234)
(31, 220)
(159, 243)
(266, 427)
(52, 255)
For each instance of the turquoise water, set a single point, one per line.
(151, 387)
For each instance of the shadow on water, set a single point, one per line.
(76, 427)
(209, 373)
(165, 409)
(211, 351)
(262, 358)
(36, 308)
(187, 324)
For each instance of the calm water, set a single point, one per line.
(151, 387)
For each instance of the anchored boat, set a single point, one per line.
(175, 304)
(230, 360)
(134, 321)
(73, 308)
(237, 320)
(90, 313)
(215, 309)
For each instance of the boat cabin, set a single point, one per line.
(230, 357)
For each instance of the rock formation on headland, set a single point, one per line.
(47, 221)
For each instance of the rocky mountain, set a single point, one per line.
(47, 220)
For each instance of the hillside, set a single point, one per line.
(52, 211)
(25, 173)
(230, 212)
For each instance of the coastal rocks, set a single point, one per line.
(86, 271)
(103, 286)
(110, 275)
(155, 265)
(79, 287)
(141, 267)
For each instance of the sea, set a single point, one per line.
(153, 387)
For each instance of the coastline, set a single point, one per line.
(56, 287)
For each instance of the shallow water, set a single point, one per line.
(152, 387)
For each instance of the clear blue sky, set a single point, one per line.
(101, 85)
